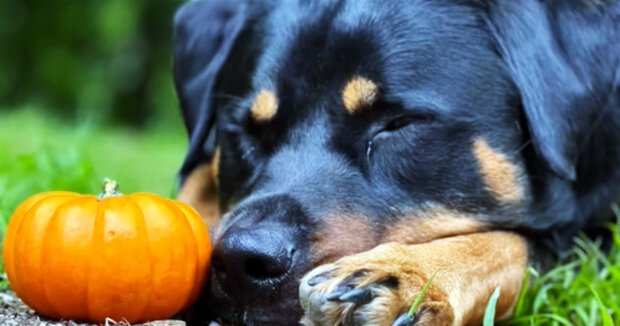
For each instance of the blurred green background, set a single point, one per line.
(107, 61)
(88, 82)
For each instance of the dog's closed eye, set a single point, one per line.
(397, 124)
(406, 120)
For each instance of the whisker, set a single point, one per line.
(229, 96)
(527, 143)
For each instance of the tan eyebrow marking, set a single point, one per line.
(359, 92)
(502, 177)
(265, 106)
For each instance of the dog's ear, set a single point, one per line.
(204, 33)
(555, 55)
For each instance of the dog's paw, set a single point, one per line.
(376, 287)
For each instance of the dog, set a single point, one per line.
(346, 152)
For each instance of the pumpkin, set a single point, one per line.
(132, 257)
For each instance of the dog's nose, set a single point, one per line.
(243, 259)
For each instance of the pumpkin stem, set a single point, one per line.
(110, 189)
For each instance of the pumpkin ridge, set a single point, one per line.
(135, 199)
(55, 215)
(11, 234)
(189, 213)
(185, 222)
(131, 200)
(98, 224)
(46, 233)
(86, 313)
(197, 277)
(28, 216)
(25, 295)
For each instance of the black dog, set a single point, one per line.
(357, 147)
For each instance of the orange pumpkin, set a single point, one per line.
(135, 257)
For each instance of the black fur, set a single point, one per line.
(538, 79)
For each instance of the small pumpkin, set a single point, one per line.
(132, 257)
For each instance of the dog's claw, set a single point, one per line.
(318, 279)
(335, 296)
(405, 320)
(358, 296)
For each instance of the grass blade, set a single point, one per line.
(418, 300)
(489, 314)
(524, 287)
(607, 320)
(534, 320)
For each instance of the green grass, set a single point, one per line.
(582, 290)
(489, 313)
(39, 153)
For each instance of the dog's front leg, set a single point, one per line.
(377, 287)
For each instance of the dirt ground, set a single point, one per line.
(14, 313)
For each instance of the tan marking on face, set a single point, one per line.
(341, 235)
(431, 223)
(359, 93)
(201, 190)
(501, 176)
(265, 106)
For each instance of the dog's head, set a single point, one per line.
(319, 129)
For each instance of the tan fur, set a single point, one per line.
(433, 222)
(501, 176)
(201, 190)
(479, 263)
(469, 268)
(341, 235)
(359, 93)
(265, 106)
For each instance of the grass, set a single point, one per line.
(38, 153)
(489, 313)
(583, 290)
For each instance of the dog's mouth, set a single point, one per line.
(277, 306)
(249, 318)
(272, 303)
(281, 315)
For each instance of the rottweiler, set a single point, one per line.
(345, 151)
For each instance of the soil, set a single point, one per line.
(13, 312)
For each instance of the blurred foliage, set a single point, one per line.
(89, 59)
